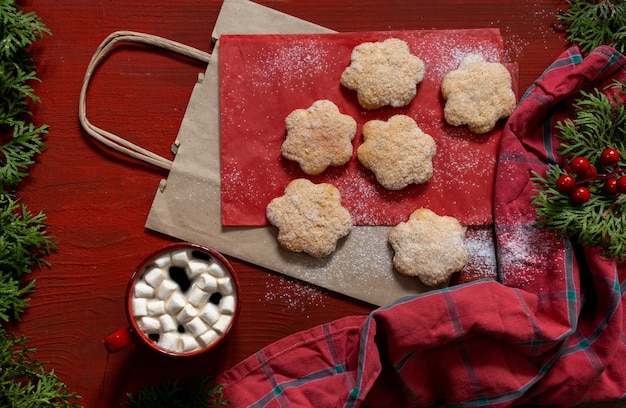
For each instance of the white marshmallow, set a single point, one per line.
(206, 282)
(227, 304)
(167, 323)
(142, 290)
(196, 327)
(195, 268)
(166, 288)
(217, 270)
(170, 341)
(154, 277)
(209, 337)
(149, 325)
(225, 286)
(155, 308)
(187, 313)
(197, 296)
(181, 257)
(222, 323)
(188, 343)
(163, 261)
(175, 303)
(140, 307)
(210, 313)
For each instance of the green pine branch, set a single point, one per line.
(15, 90)
(24, 244)
(599, 122)
(18, 153)
(24, 382)
(18, 31)
(24, 241)
(201, 393)
(590, 24)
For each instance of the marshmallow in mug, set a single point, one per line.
(183, 316)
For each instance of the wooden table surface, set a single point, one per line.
(97, 201)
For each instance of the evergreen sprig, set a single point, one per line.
(24, 243)
(599, 122)
(18, 31)
(24, 382)
(200, 393)
(18, 153)
(590, 24)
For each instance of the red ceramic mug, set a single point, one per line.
(181, 301)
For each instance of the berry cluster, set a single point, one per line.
(585, 173)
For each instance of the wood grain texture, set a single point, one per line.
(97, 201)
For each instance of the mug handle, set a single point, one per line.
(120, 339)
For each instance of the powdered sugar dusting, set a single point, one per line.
(300, 60)
(368, 268)
(455, 49)
(294, 295)
(524, 252)
(482, 261)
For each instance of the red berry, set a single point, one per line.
(579, 165)
(610, 156)
(580, 195)
(590, 173)
(621, 184)
(610, 186)
(565, 183)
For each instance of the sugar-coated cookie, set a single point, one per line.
(429, 246)
(319, 137)
(309, 217)
(398, 152)
(477, 94)
(383, 73)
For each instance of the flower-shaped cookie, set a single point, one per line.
(318, 137)
(477, 94)
(309, 218)
(383, 73)
(429, 246)
(397, 151)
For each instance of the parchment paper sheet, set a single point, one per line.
(187, 204)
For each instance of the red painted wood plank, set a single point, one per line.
(97, 201)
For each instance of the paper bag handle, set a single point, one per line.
(107, 138)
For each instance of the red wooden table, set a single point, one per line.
(97, 201)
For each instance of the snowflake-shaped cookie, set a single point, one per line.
(318, 137)
(398, 152)
(383, 73)
(309, 218)
(477, 94)
(429, 246)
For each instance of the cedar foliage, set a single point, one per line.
(590, 24)
(200, 393)
(24, 241)
(599, 122)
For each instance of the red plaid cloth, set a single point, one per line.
(550, 332)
